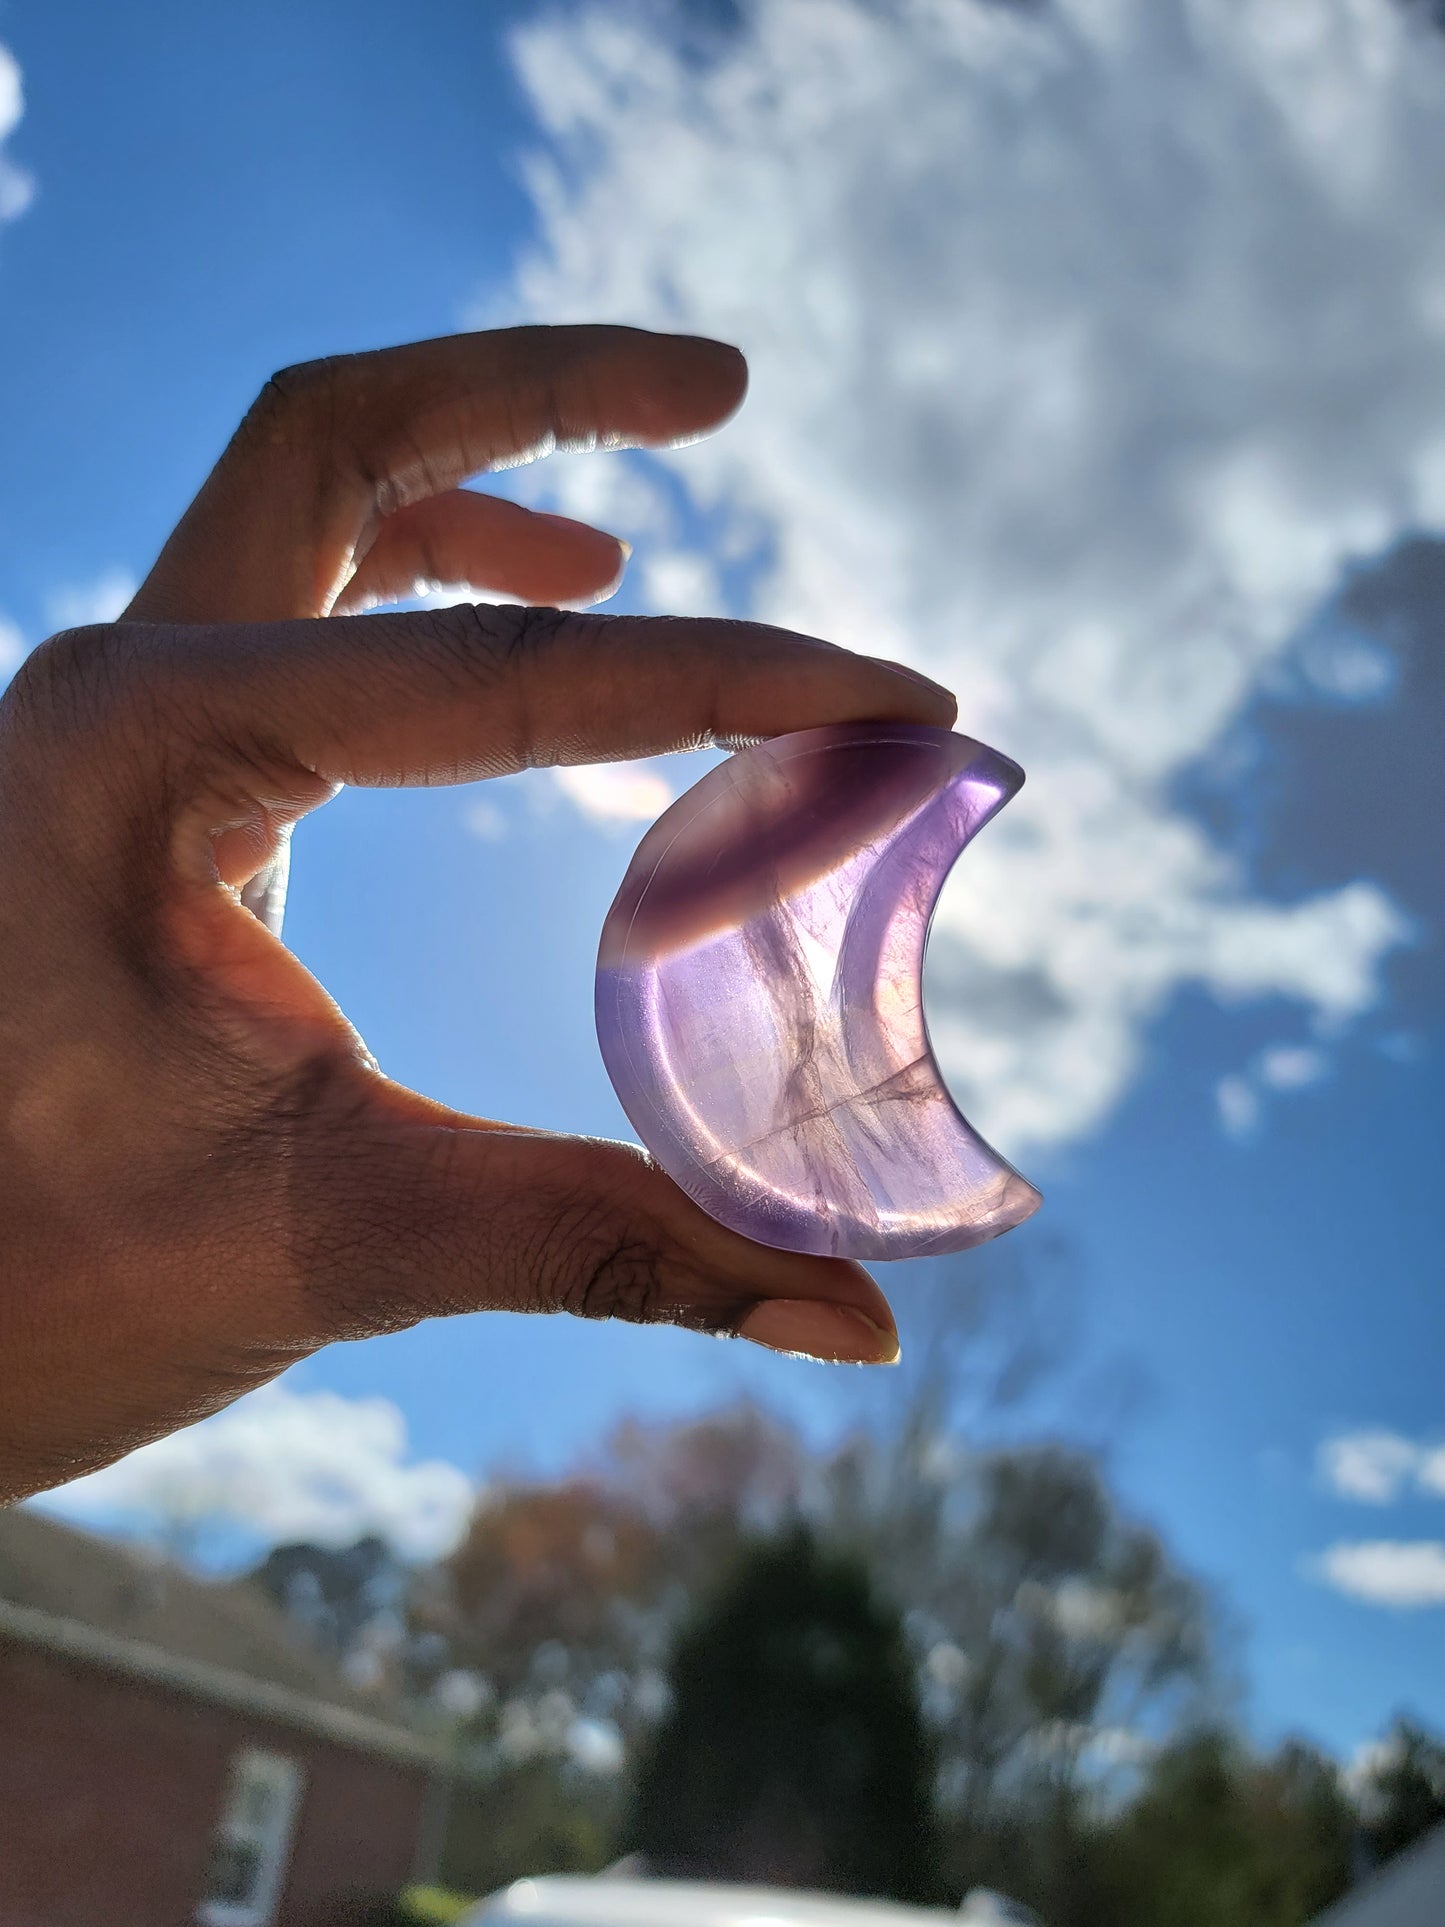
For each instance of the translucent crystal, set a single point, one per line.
(760, 994)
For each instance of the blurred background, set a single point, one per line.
(1098, 370)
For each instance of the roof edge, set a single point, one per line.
(198, 1679)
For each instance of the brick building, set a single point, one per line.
(172, 1753)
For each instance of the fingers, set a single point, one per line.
(491, 546)
(181, 755)
(333, 447)
(449, 695)
(406, 1219)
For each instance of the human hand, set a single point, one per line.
(203, 1175)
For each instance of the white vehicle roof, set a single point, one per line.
(572, 1900)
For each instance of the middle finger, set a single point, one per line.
(333, 447)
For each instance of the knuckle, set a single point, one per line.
(508, 654)
(340, 415)
(299, 386)
(304, 411)
(591, 1255)
(616, 1276)
(78, 678)
(83, 750)
(513, 635)
(317, 413)
(365, 1258)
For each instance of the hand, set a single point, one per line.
(203, 1175)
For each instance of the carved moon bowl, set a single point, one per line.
(760, 994)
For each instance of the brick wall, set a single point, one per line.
(110, 1788)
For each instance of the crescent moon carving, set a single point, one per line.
(760, 994)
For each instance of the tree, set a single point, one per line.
(335, 1592)
(1053, 1630)
(358, 1605)
(531, 1817)
(1216, 1836)
(794, 1752)
(571, 1591)
(1050, 1633)
(1403, 1795)
(561, 1570)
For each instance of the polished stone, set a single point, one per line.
(760, 994)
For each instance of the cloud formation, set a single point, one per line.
(70, 607)
(612, 796)
(1380, 1467)
(12, 649)
(1279, 1069)
(17, 188)
(615, 793)
(1403, 1573)
(283, 1465)
(1091, 344)
(100, 600)
(1377, 1467)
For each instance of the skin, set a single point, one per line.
(203, 1174)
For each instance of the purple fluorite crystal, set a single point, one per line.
(760, 994)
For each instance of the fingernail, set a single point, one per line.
(809, 1328)
(924, 682)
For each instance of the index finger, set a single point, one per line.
(450, 695)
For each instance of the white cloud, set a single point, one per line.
(81, 603)
(1373, 1467)
(1404, 1573)
(615, 793)
(1238, 1105)
(1370, 1762)
(1350, 668)
(1430, 1471)
(681, 584)
(1292, 1067)
(486, 819)
(1078, 384)
(17, 188)
(1278, 1069)
(77, 604)
(283, 1465)
(12, 649)
(612, 795)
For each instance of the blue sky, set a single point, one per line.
(1065, 429)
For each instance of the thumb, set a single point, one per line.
(408, 1211)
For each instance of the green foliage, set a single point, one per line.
(1052, 1642)
(434, 1906)
(1045, 1616)
(532, 1818)
(1215, 1837)
(1405, 1794)
(1040, 1848)
(368, 1910)
(794, 1753)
